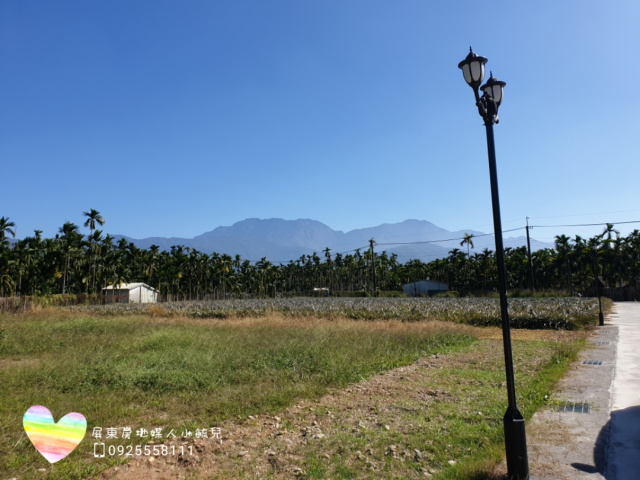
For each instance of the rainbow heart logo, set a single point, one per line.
(54, 440)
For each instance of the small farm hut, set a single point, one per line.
(130, 293)
(424, 288)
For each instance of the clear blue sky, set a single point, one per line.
(174, 117)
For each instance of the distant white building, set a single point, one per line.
(131, 293)
(425, 288)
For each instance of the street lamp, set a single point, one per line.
(514, 433)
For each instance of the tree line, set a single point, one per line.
(77, 262)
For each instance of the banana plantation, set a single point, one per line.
(81, 261)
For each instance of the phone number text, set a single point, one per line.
(100, 450)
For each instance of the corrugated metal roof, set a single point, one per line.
(128, 286)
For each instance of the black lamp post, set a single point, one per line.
(514, 433)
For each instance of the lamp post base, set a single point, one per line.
(516, 445)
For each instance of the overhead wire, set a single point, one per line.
(424, 242)
(447, 239)
(585, 224)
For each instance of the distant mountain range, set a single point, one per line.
(283, 240)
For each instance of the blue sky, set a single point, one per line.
(174, 117)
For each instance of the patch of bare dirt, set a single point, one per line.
(277, 446)
(20, 363)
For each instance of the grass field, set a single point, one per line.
(181, 372)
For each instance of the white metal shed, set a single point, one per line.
(131, 293)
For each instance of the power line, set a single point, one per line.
(424, 242)
(449, 239)
(415, 243)
(585, 224)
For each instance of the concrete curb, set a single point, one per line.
(604, 443)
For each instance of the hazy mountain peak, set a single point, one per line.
(282, 240)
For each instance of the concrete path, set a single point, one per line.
(624, 447)
(605, 443)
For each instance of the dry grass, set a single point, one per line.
(372, 428)
(179, 372)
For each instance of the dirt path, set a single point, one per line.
(282, 446)
(277, 444)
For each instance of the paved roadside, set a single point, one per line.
(604, 443)
(624, 448)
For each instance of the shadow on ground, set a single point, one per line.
(621, 433)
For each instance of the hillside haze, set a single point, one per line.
(281, 241)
